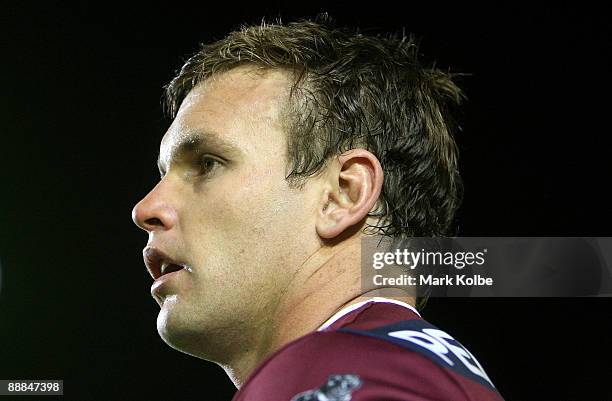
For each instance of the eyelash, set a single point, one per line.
(207, 159)
(201, 163)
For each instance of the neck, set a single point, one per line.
(328, 282)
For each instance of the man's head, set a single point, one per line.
(286, 140)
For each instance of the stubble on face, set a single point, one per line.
(242, 228)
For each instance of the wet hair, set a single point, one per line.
(354, 90)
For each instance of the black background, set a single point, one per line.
(81, 123)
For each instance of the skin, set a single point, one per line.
(267, 263)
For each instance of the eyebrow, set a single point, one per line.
(191, 142)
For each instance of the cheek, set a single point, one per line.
(248, 216)
(252, 200)
(257, 209)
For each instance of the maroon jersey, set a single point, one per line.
(378, 350)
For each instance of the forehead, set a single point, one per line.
(235, 105)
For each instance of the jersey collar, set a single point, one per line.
(345, 311)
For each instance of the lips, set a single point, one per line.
(170, 267)
(158, 263)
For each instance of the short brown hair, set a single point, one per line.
(349, 90)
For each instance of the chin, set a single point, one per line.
(179, 331)
(170, 325)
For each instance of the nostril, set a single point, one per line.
(153, 221)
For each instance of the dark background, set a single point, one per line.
(81, 122)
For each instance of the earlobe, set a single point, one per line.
(332, 222)
(355, 188)
(330, 215)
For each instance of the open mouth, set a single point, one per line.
(159, 264)
(169, 268)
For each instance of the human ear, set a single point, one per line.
(354, 186)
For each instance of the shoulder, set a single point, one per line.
(350, 359)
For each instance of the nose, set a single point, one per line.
(155, 211)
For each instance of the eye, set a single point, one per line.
(207, 164)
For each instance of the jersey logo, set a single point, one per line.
(336, 388)
(419, 336)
